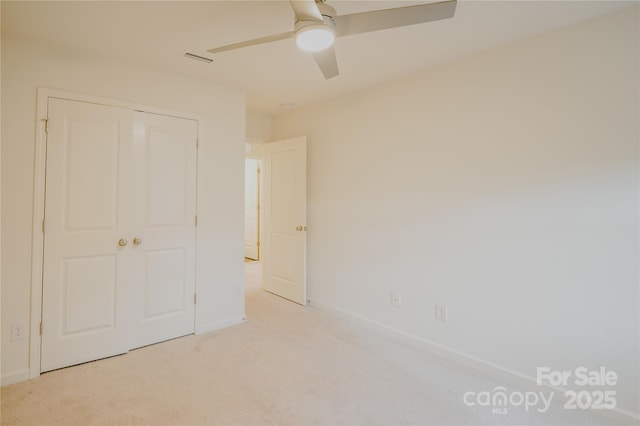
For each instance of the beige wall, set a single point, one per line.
(220, 175)
(504, 186)
(259, 126)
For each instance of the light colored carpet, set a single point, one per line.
(287, 365)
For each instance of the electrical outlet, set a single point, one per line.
(441, 313)
(396, 300)
(18, 331)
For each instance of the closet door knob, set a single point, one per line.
(122, 242)
(137, 241)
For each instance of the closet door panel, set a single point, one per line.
(86, 272)
(165, 230)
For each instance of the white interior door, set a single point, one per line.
(164, 218)
(251, 208)
(285, 214)
(86, 273)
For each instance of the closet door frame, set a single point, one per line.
(37, 254)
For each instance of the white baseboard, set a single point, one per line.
(617, 414)
(15, 377)
(206, 328)
(23, 375)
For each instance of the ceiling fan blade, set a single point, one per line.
(365, 22)
(306, 10)
(326, 60)
(255, 41)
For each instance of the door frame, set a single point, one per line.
(37, 246)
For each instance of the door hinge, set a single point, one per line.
(197, 143)
(46, 125)
(41, 328)
(195, 298)
(259, 171)
(196, 220)
(43, 226)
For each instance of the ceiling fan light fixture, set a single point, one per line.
(315, 37)
(316, 25)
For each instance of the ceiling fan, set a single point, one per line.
(317, 25)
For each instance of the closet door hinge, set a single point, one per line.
(196, 220)
(43, 226)
(195, 298)
(41, 328)
(46, 125)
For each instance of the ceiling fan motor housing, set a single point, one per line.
(325, 10)
(327, 13)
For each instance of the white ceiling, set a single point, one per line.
(157, 33)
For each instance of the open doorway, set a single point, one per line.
(253, 216)
(252, 201)
(282, 190)
(252, 209)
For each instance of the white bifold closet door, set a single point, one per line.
(87, 275)
(164, 215)
(119, 241)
